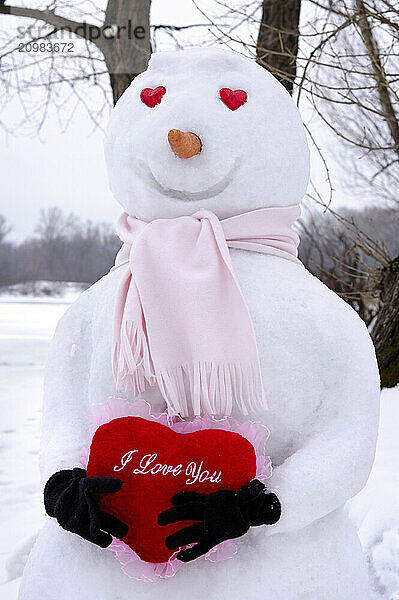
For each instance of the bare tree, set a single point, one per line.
(125, 58)
(277, 43)
(4, 228)
(341, 56)
(53, 224)
(52, 230)
(347, 251)
(5, 251)
(386, 328)
(64, 248)
(353, 83)
(352, 80)
(71, 54)
(352, 255)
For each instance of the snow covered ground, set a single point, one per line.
(376, 509)
(26, 327)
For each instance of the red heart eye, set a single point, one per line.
(233, 99)
(152, 97)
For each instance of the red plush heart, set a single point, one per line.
(233, 99)
(154, 463)
(152, 97)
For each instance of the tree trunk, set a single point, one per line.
(378, 73)
(128, 50)
(124, 37)
(386, 329)
(277, 45)
(119, 83)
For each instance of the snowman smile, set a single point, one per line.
(209, 192)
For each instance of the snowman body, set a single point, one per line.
(317, 361)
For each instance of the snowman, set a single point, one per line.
(207, 146)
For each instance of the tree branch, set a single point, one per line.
(49, 17)
(378, 74)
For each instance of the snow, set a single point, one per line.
(341, 444)
(375, 510)
(23, 348)
(265, 136)
(317, 360)
(316, 357)
(26, 327)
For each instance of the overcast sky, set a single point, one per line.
(67, 169)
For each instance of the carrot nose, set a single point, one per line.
(184, 144)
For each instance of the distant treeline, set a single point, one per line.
(63, 248)
(351, 251)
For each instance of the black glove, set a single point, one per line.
(68, 498)
(223, 516)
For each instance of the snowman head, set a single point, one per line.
(177, 144)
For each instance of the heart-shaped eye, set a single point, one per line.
(152, 97)
(233, 99)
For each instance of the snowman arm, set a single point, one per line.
(334, 462)
(65, 403)
(321, 476)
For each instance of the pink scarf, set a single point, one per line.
(180, 318)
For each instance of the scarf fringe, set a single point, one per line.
(213, 388)
(132, 365)
(202, 388)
